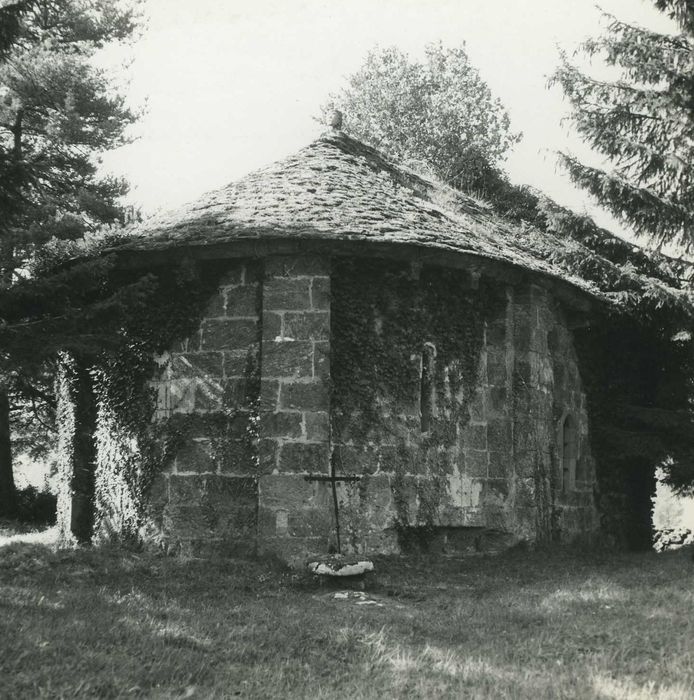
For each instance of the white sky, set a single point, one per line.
(233, 84)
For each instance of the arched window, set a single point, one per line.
(427, 395)
(568, 444)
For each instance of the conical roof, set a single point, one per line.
(338, 189)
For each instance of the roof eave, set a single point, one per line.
(263, 245)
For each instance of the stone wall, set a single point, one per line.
(206, 501)
(295, 515)
(486, 470)
(303, 368)
(546, 387)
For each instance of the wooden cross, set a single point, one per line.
(333, 479)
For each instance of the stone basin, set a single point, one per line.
(336, 566)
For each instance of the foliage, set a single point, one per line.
(35, 506)
(386, 316)
(642, 122)
(165, 305)
(647, 286)
(636, 360)
(668, 508)
(114, 322)
(10, 23)
(58, 113)
(404, 108)
(637, 356)
(438, 112)
(72, 308)
(637, 380)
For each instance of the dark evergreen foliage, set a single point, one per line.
(10, 23)
(58, 113)
(642, 122)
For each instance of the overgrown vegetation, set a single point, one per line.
(385, 318)
(36, 506)
(112, 383)
(110, 623)
(59, 111)
(640, 383)
(384, 314)
(636, 356)
(106, 325)
(639, 359)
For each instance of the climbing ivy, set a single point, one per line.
(383, 317)
(131, 448)
(383, 314)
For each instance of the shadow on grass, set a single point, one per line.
(111, 623)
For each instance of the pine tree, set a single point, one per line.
(642, 122)
(10, 16)
(58, 112)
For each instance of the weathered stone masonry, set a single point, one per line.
(294, 405)
(488, 472)
(263, 352)
(206, 502)
(441, 387)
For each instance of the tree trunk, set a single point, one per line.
(84, 464)
(8, 493)
(640, 488)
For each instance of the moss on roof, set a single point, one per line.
(338, 188)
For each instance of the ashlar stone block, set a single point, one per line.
(290, 294)
(242, 301)
(304, 396)
(320, 294)
(475, 436)
(177, 395)
(287, 359)
(281, 424)
(187, 521)
(313, 457)
(317, 425)
(196, 456)
(297, 266)
(229, 334)
(208, 394)
(196, 364)
(278, 490)
(309, 325)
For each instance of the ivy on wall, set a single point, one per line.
(65, 422)
(635, 363)
(383, 314)
(131, 448)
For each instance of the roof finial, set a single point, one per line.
(336, 120)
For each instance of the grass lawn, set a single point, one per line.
(105, 623)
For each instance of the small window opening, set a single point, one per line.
(427, 397)
(569, 455)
